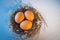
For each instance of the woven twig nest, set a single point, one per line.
(37, 22)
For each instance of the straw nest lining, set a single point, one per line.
(37, 22)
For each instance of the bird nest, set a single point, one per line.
(37, 22)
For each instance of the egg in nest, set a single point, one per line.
(19, 17)
(26, 25)
(29, 15)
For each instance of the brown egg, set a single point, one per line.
(26, 25)
(29, 15)
(19, 17)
